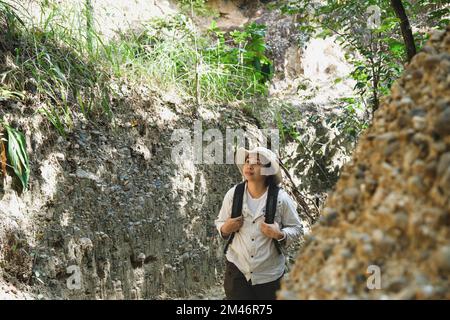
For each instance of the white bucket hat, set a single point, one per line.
(267, 156)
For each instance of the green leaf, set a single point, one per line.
(17, 155)
(360, 85)
(396, 47)
(13, 95)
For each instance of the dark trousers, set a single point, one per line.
(238, 288)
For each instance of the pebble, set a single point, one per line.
(442, 123)
(444, 258)
(419, 123)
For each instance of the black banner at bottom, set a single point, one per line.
(216, 309)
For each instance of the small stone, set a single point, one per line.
(443, 258)
(346, 253)
(406, 101)
(368, 248)
(406, 294)
(397, 285)
(418, 168)
(350, 194)
(431, 62)
(388, 136)
(444, 56)
(440, 146)
(442, 123)
(415, 185)
(443, 104)
(421, 279)
(426, 49)
(417, 75)
(427, 290)
(444, 164)
(352, 216)
(391, 148)
(419, 112)
(401, 220)
(377, 235)
(437, 35)
(83, 174)
(444, 180)
(330, 215)
(419, 123)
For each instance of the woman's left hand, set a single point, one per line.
(272, 230)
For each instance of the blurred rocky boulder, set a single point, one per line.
(385, 230)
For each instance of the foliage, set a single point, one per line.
(170, 48)
(17, 154)
(323, 144)
(377, 53)
(349, 122)
(195, 7)
(66, 65)
(55, 64)
(247, 51)
(425, 13)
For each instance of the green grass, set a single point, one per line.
(62, 61)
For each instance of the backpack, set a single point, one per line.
(271, 207)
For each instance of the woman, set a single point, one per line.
(254, 265)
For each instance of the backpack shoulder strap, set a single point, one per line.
(271, 208)
(236, 209)
(271, 204)
(238, 197)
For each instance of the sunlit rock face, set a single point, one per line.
(385, 230)
(326, 68)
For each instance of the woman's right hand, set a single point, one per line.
(232, 225)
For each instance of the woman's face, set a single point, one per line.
(252, 169)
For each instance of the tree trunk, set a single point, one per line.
(408, 38)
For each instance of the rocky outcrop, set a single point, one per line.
(385, 231)
(109, 214)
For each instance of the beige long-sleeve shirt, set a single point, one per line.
(253, 253)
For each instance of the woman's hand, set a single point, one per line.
(272, 230)
(232, 225)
